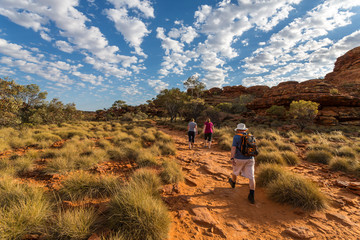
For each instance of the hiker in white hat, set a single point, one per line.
(243, 160)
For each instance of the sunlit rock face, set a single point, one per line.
(338, 93)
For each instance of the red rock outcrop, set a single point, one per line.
(338, 93)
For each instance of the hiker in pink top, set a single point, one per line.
(208, 131)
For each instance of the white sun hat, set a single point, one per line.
(241, 126)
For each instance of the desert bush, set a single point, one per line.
(138, 215)
(303, 112)
(290, 158)
(82, 185)
(346, 152)
(77, 223)
(297, 192)
(171, 172)
(317, 156)
(276, 111)
(267, 173)
(270, 157)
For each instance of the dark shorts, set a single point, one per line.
(208, 136)
(191, 135)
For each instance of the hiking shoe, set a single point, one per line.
(251, 198)
(232, 183)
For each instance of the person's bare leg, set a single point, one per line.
(233, 177)
(209, 144)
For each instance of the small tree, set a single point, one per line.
(276, 111)
(195, 86)
(239, 105)
(193, 108)
(172, 100)
(303, 112)
(224, 107)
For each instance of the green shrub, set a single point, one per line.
(82, 185)
(267, 173)
(276, 111)
(290, 158)
(171, 172)
(318, 157)
(297, 192)
(270, 157)
(78, 223)
(138, 215)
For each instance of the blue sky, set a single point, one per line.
(95, 52)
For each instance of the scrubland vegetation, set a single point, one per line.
(64, 208)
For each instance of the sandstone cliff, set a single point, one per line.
(338, 93)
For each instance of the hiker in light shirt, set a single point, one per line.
(192, 130)
(208, 132)
(241, 163)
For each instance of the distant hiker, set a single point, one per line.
(192, 130)
(243, 160)
(208, 132)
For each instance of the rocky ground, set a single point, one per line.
(206, 207)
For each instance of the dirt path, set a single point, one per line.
(205, 207)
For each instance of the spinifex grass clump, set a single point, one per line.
(82, 185)
(171, 172)
(290, 158)
(225, 141)
(296, 191)
(342, 164)
(318, 156)
(24, 209)
(269, 172)
(148, 179)
(166, 147)
(77, 223)
(347, 152)
(138, 215)
(270, 157)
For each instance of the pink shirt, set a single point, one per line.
(209, 127)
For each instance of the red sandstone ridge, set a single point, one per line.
(338, 93)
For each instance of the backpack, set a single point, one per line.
(248, 145)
